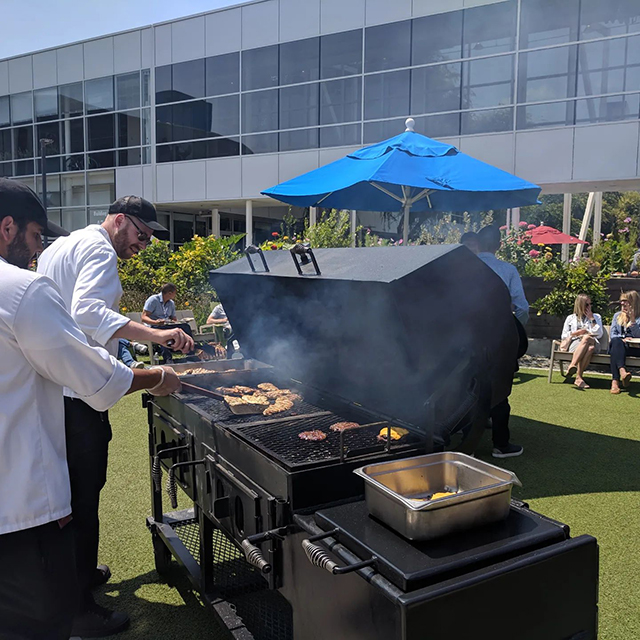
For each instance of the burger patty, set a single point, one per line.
(342, 426)
(314, 435)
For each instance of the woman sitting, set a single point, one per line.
(580, 335)
(625, 326)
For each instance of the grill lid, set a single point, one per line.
(404, 332)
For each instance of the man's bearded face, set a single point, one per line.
(18, 252)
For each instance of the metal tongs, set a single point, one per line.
(244, 409)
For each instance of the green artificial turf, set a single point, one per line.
(581, 466)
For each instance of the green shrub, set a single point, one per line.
(570, 280)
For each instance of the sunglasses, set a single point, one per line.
(624, 302)
(142, 236)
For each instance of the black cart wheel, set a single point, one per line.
(161, 554)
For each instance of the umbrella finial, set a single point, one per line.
(410, 123)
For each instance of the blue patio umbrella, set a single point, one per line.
(407, 172)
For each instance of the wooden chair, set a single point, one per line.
(601, 358)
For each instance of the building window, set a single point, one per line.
(73, 219)
(441, 125)
(72, 190)
(547, 22)
(128, 124)
(21, 108)
(387, 46)
(51, 131)
(554, 114)
(299, 139)
(386, 94)
(23, 168)
(53, 190)
(377, 131)
(436, 88)
(487, 121)
(348, 134)
(5, 112)
(72, 136)
(164, 92)
(225, 116)
(260, 111)
(341, 54)
(99, 95)
(46, 104)
(5, 144)
(101, 132)
(299, 106)
(71, 102)
(188, 80)
(222, 74)
(101, 160)
(437, 38)
(263, 143)
(145, 83)
(600, 18)
(300, 61)
(101, 187)
(341, 101)
(548, 74)
(609, 66)
(487, 82)
(260, 68)
(489, 29)
(23, 142)
(608, 109)
(128, 91)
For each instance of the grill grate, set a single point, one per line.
(281, 440)
(265, 613)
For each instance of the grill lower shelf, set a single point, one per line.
(265, 613)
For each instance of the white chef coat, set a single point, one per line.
(84, 265)
(41, 349)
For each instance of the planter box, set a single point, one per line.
(544, 326)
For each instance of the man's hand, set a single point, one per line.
(169, 384)
(579, 332)
(175, 339)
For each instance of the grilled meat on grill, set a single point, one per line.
(194, 371)
(237, 390)
(281, 404)
(314, 435)
(341, 426)
(267, 386)
(258, 402)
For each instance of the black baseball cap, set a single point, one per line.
(137, 207)
(22, 204)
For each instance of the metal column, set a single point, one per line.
(353, 227)
(215, 223)
(249, 222)
(566, 225)
(597, 218)
(313, 216)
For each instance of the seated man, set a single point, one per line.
(218, 318)
(160, 311)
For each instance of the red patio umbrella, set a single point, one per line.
(549, 235)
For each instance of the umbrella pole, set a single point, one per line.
(406, 209)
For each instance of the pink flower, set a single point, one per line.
(275, 234)
(627, 220)
(519, 241)
(503, 227)
(625, 230)
(400, 241)
(531, 226)
(533, 253)
(522, 223)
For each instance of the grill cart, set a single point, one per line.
(412, 347)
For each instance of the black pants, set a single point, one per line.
(166, 353)
(88, 434)
(37, 583)
(619, 351)
(500, 423)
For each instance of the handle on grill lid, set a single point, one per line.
(320, 558)
(305, 252)
(253, 249)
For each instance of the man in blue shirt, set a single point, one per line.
(160, 310)
(489, 242)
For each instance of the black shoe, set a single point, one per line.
(101, 576)
(97, 622)
(509, 451)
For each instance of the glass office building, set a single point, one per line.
(200, 114)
